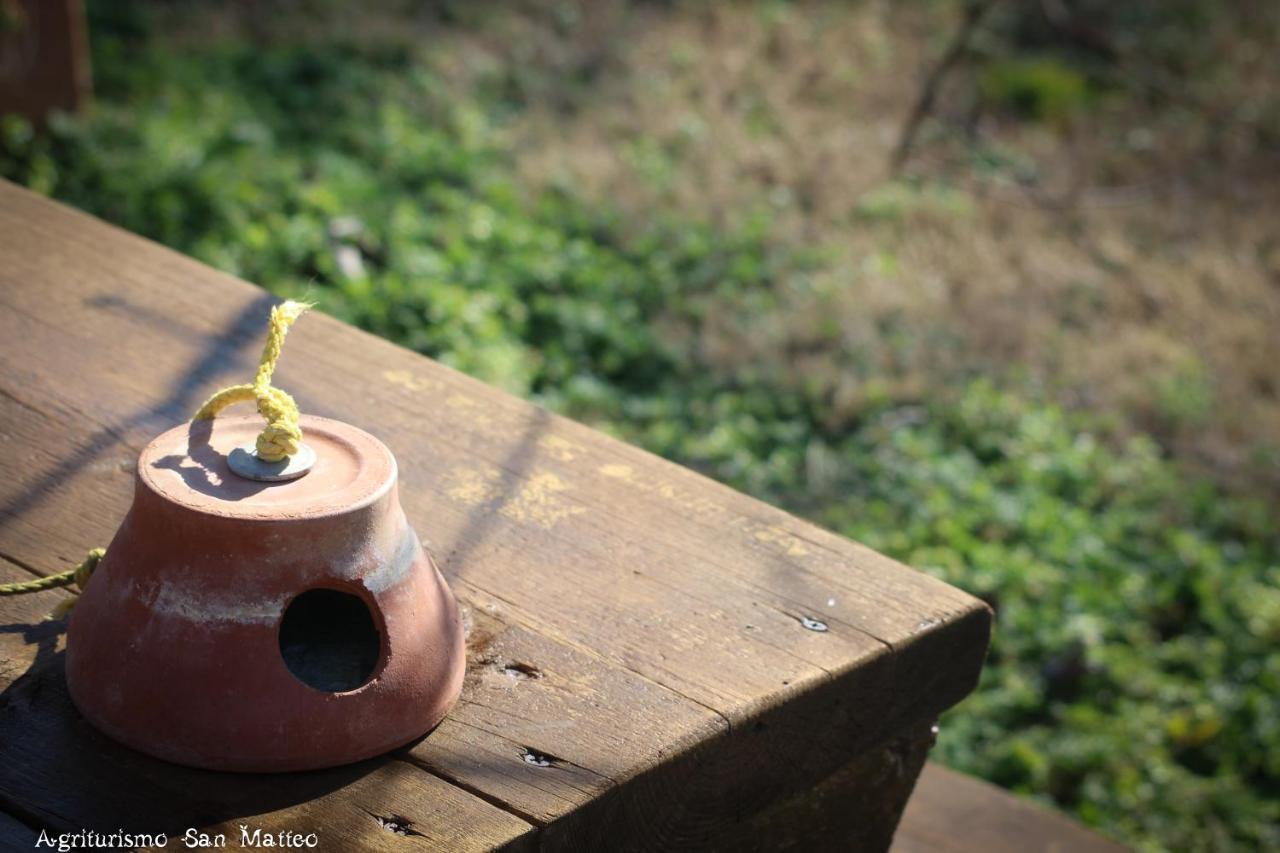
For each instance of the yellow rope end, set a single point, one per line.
(85, 570)
(283, 434)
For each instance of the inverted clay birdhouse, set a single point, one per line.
(265, 606)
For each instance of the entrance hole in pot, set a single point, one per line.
(329, 641)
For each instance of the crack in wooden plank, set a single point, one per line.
(25, 566)
(479, 793)
(540, 628)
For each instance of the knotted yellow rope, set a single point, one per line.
(79, 576)
(280, 439)
(282, 434)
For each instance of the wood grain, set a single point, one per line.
(638, 642)
(856, 807)
(15, 835)
(954, 813)
(25, 635)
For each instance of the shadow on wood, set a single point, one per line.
(47, 742)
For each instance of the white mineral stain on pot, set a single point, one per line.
(195, 606)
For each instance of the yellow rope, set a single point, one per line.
(282, 434)
(79, 576)
(280, 439)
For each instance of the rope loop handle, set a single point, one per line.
(282, 434)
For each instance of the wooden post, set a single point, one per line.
(44, 58)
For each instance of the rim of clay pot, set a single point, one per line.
(188, 466)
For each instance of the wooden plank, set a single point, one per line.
(25, 636)
(953, 813)
(106, 787)
(854, 807)
(857, 807)
(55, 509)
(15, 835)
(664, 612)
(527, 694)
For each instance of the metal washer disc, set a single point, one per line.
(245, 462)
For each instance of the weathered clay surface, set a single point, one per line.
(173, 649)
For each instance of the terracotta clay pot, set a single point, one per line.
(243, 625)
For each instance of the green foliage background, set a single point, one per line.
(1134, 673)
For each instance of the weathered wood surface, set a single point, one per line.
(637, 625)
(953, 813)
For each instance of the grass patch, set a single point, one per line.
(1038, 89)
